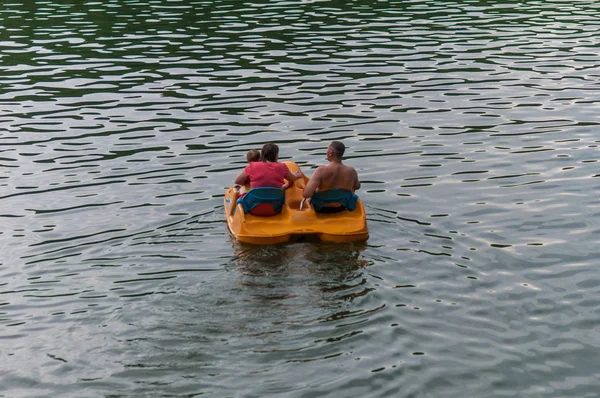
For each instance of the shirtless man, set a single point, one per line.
(334, 175)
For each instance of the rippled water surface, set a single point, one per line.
(473, 126)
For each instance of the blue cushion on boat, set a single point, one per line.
(336, 195)
(263, 201)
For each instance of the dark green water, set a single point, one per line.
(473, 126)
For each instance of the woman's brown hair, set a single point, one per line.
(270, 152)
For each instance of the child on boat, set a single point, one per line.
(253, 156)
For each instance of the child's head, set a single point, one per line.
(253, 156)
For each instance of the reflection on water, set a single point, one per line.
(300, 275)
(472, 126)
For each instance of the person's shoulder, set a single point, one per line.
(321, 169)
(281, 168)
(349, 168)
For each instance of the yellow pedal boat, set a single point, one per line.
(293, 221)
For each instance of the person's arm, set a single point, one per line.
(356, 181)
(241, 178)
(290, 176)
(293, 176)
(313, 184)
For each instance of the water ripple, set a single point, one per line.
(472, 126)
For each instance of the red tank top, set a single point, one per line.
(263, 174)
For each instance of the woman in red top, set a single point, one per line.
(269, 172)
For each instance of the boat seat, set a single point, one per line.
(343, 197)
(263, 201)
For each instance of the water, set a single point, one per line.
(473, 126)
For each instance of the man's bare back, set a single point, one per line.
(334, 175)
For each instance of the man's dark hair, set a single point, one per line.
(269, 152)
(338, 148)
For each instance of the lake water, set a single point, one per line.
(474, 126)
